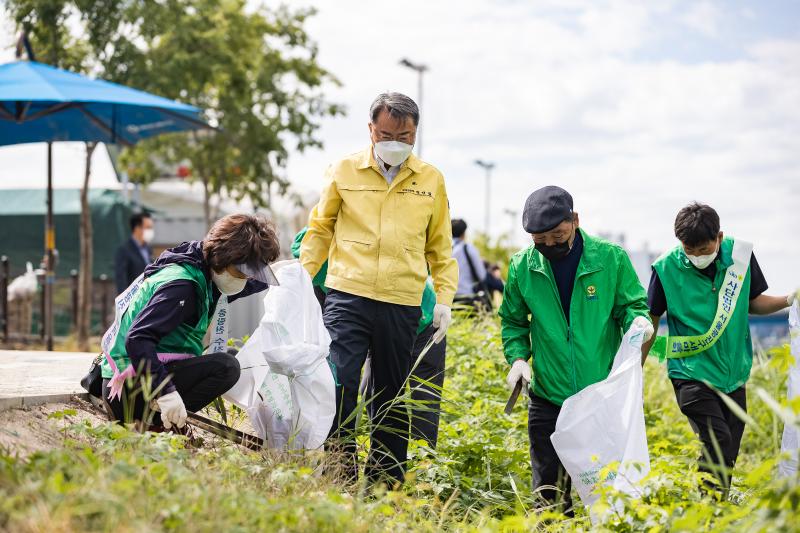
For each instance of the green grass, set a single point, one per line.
(477, 480)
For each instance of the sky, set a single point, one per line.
(636, 108)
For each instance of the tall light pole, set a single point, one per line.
(512, 215)
(420, 69)
(485, 165)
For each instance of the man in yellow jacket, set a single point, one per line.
(382, 222)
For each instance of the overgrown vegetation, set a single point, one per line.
(477, 479)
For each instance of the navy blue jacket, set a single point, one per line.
(128, 264)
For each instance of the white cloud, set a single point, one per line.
(703, 17)
(556, 94)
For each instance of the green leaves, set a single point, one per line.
(252, 69)
(478, 479)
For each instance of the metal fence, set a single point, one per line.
(22, 319)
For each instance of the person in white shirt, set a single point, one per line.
(471, 270)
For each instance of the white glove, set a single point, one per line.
(441, 321)
(172, 410)
(519, 370)
(642, 322)
(793, 297)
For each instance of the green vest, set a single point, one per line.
(185, 339)
(691, 308)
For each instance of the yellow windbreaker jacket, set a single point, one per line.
(380, 239)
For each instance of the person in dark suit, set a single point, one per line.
(135, 254)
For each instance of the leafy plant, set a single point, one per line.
(478, 478)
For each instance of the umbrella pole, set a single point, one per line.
(50, 244)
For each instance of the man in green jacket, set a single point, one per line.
(568, 300)
(708, 285)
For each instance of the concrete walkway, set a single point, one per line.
(24, 373)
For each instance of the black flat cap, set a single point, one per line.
(546, 208)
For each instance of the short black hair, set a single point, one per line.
(137, 219)
(696, 224)
(398, 105)
(459, 228)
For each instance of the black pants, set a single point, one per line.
(199, 380)
(719, 429)
(547, 470)
(426, 381)
(357, 325)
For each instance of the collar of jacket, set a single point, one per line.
(590, 260)
(367, 160)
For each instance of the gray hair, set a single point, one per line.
(399, 106)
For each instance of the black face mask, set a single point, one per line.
(555, 251)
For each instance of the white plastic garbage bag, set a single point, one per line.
(286, 385)
(791, 435)
(263, 394)
(23, 287)
(604, 424)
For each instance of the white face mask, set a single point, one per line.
(228, 284)
(148, 235)
(702, 261)
(393, 152)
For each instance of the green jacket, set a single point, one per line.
(691, 308)
(428, 294)
(319, 279)
(607, 296)
(186, 338)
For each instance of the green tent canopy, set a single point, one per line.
(22, 227)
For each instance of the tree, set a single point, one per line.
(253, 70)
(87, 256)
(45, 21)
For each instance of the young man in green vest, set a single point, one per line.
(567, 302)
(155, 343)
(708, 285)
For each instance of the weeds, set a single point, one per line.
(478, 479)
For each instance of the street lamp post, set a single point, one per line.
(420, 70)
(512, 215)
(485, 165)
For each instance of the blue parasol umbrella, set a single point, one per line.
(40, 103)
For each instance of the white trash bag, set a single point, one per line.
(791, 439)
(604, 424)
(263, 394)
(286, 385)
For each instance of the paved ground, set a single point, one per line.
(26, 373)
(48, 380)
